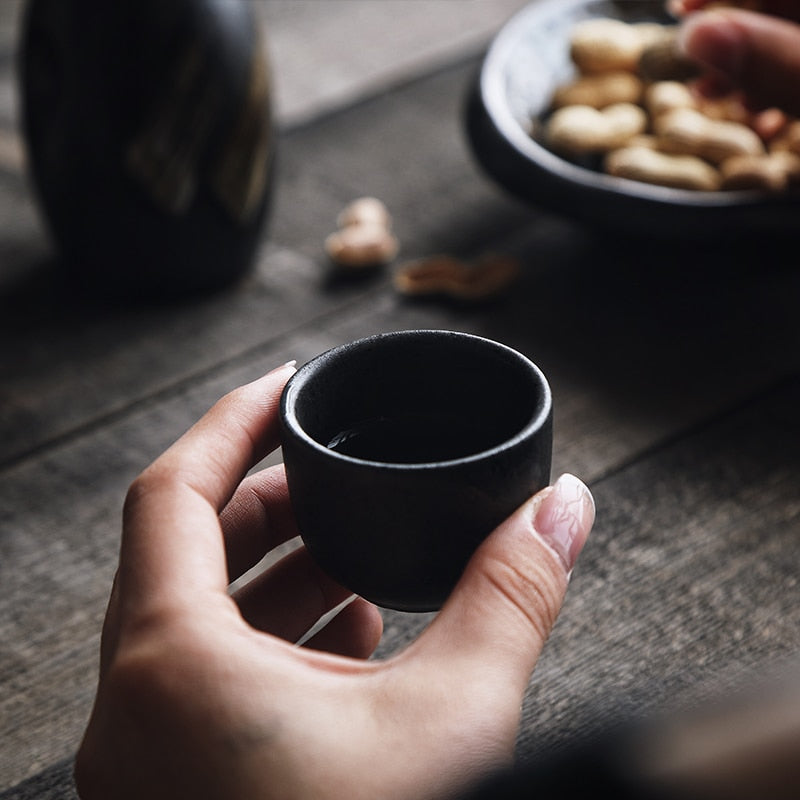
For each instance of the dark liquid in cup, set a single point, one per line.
(416, 439)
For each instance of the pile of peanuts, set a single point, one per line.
(364, 241)
(632, 105)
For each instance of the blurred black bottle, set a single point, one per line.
(149, 139)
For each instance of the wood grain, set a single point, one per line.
(675, 377)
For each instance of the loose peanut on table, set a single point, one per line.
(361, 246)
(444, 275)
(632, 103)
(365, 211)
(364, 238)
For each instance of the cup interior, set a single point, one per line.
(417, 397)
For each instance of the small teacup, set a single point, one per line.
(404, 450)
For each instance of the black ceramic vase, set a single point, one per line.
(149, 139)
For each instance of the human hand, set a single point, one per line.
(202, 694)
(757, 52)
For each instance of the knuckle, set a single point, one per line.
(151, 479)
(530, 590)
(138, 490)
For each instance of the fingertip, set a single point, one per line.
(713, 39)
(676, 7)
(263, 393)
(679, 8)
(288, 369)
(289, 365)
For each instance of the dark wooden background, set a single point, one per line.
(675, 371)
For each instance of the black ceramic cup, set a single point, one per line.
(404, 450)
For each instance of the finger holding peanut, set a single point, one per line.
(756, 53)
(663, 59)
(789, 9)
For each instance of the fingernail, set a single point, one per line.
(564, 518)
(292, 364)
(715, 40)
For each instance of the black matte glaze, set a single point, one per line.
(400, 534)
(187, 77)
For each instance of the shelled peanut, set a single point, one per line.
(633, 108)
(364, 241)
(447, 276)
(364, 237)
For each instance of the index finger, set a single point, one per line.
(758, 54)
(780, 8)
(172, 543)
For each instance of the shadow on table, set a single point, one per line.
(654, 325)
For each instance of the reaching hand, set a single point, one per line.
(203, 694)
(757, 52)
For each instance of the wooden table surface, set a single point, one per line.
(675, 372)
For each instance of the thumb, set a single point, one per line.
(500, 614)
(757, 53)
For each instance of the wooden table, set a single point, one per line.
(675, 372)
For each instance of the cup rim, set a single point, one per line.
(292, 426)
